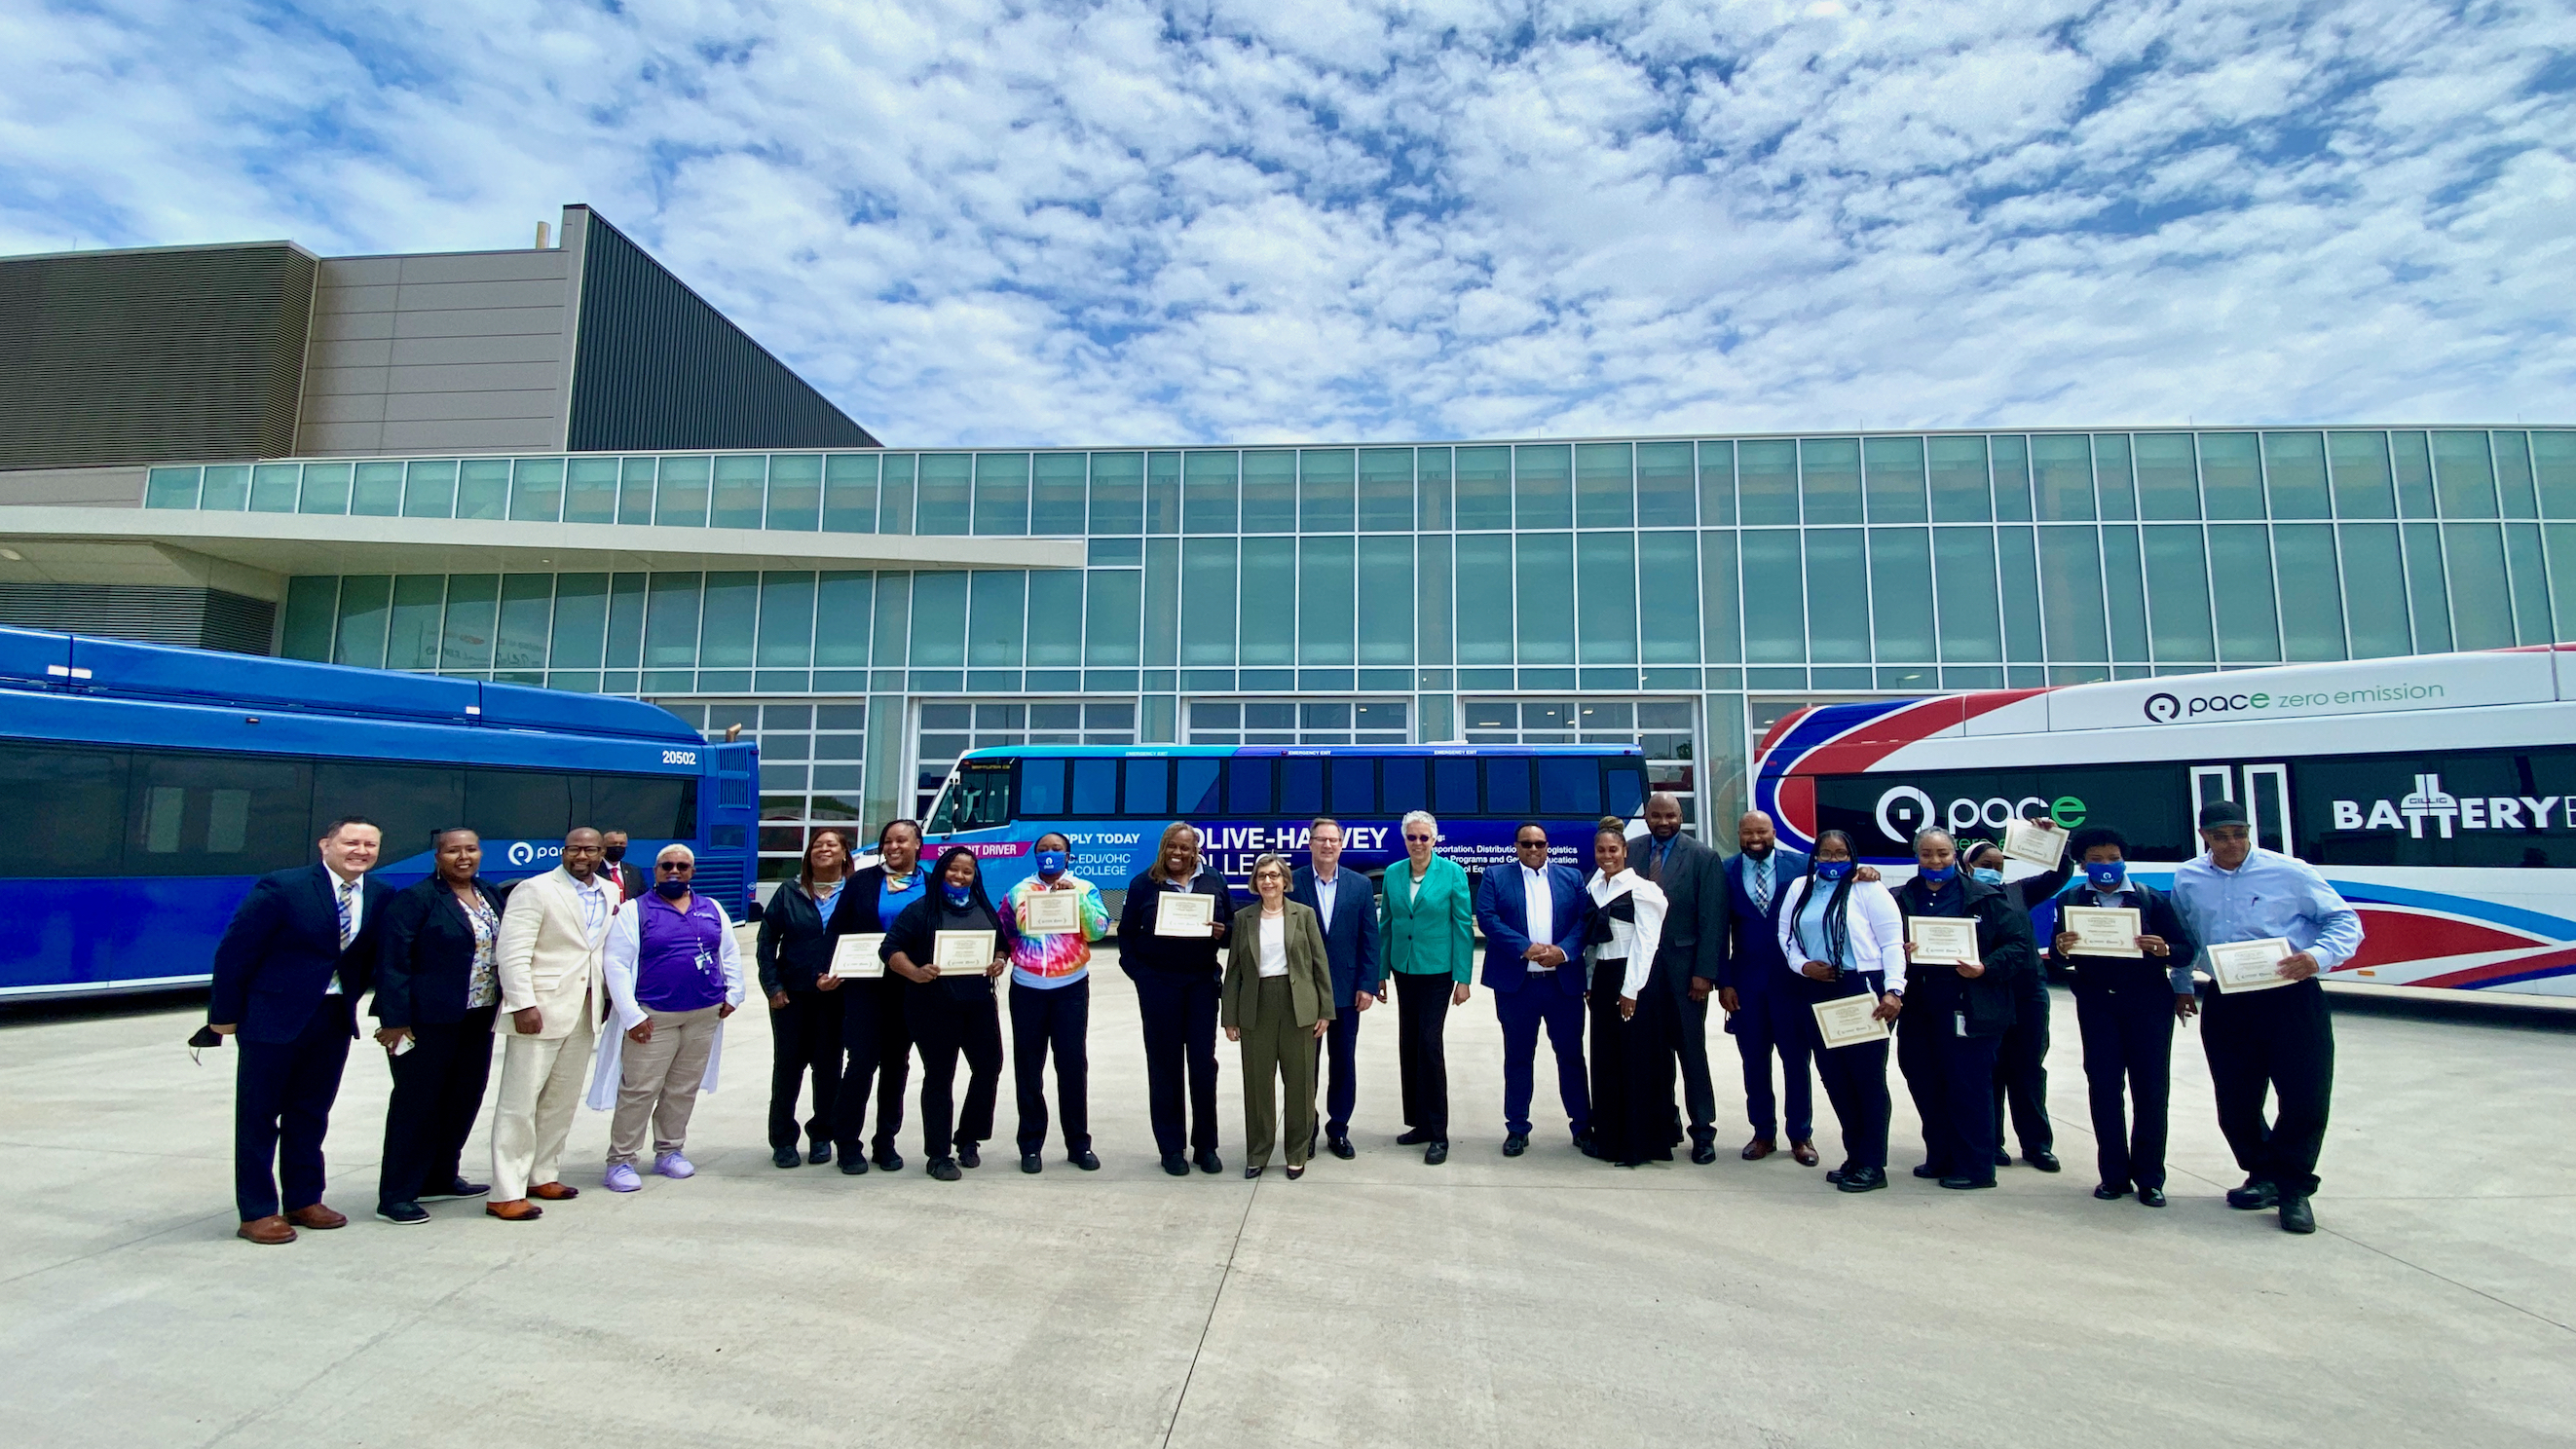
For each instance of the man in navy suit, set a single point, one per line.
(1534, 916)
(1763, 1017)
(1345, 901)
(288, 974)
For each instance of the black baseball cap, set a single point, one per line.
(2221, 812)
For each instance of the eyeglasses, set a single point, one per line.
(1417, 840)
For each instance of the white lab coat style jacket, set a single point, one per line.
(625, 945)
(546, 957)
(1637, 942)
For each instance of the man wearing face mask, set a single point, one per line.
(623, 877)
(1051, 1003)
(2126, 1007)
(1955, 1016)
(2021, 1058)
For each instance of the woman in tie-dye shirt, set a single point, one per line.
(1051, 1004)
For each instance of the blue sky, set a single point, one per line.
(1126, 223)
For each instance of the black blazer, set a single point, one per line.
(1695, 914)
(427, 965)
(634, 882)
(796, 943)
(2004, 945)
(283, 948)
(1139, 949)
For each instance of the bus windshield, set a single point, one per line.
(978, 797)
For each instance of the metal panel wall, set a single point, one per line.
(152, 613)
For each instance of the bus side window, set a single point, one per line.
(645, 805)
(1569, 786)
(1507, 786)
(1247, 786)
(1041, 788)
(1627, 790)
(1095, 788)
(1195, 793)
(1301, 787)
(66, 807)
(1453, 785)
(1354, 785)
(1149, 789)
(1403, 786)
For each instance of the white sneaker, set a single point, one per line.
(622, 1178)
(673, 1165)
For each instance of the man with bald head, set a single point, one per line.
(552, 997)
(1764, 1017)
(1689, 959)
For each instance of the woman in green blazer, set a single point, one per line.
(1427, 931)
(1278, 1001)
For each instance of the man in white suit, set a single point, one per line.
(552, 997)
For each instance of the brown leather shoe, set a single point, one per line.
(1759, 1148)
(554, 1191)
(268, 1232)
(317, 1216)
(516, 1210)
(1805, 1152)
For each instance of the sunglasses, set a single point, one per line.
(1418, 839)
(675, 867)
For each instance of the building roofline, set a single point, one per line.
(288, 243)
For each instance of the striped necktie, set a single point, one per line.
(1762, 884)
(348, 927)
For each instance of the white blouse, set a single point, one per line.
(1877, 930)
(1274, 945)
(1633, 942)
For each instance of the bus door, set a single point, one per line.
(2265, 794)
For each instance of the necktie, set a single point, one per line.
(348, 927)
(1654, 860)
(1762, 884)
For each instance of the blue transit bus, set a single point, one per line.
(1112, 802)
(147, 786)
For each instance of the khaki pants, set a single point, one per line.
(1276, 1049)
(658, 1082)
(541, 1083)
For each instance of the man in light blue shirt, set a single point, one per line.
(2280, 1038)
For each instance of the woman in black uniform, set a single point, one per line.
(873, 1038)
(952, 1011)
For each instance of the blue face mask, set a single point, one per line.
(1832, 870)
(1051, 863)
(1938, 876)
(2106, 875)
(670, 890)
(1988, 874)
(958, 895)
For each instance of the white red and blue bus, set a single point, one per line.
(1112, 802)
(2434, 791)
(146, 787)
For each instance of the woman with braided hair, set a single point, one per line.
(1843, 936)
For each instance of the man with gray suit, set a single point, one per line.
(1690, 958)
(1345, 905)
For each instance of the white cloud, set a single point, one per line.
(1060, 223)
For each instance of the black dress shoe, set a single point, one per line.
(402, 1214)
(1086, 1159)
(944, 1169)
(1515, 1144)
(1252, 1172)
(2253, 1196)
(1414, 1138)
(888, 1159)
(2151, 1197)
(1341, 1147)
(1030, 1162)
(1295, 1171)
(1587, 1143)
(854, 1164)
(2002, 1158)
(786, 1156)
(819, 1153)
(1435, 1154)
(1925, 1169)
(2110, 1192)
(2044, 1160)
(1208, 1161)
(2297, 1216)
(455, 1191)
(1966, 1184)
(1835, 1174)
(1176, 1165)
(1864, 1179)
(1704, 1153)
(967, 1156)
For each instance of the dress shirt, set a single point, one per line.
(1326, 888)
(1657, 852)
(354, 890)
(1877, 929)
(1540, 918)
(1761, 886)
(2271, 894)
(595, 909)
(484, 985)
(1274, 944)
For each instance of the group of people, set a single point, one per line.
(866, 968)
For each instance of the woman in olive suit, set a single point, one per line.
(1427, 930)
(1278, 1001)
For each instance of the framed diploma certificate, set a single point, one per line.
(1052, 911)
(962, 953)
(1940, 941)
(2249, 965)
(1849, 1020)
(1184, 913)
(856, 958)
(2102, 930)
(2040, 842)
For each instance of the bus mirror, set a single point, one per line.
(733, 734)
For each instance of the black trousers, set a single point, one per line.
(438, 1092)
(2281, 1040)
(1340, 1050)
(2126, 1019)
(877, 1055)
(1421, 1019)
(1057, 1019)
(1952, 1079)
(282, 1096)
(1774, 1021)
(2021, 1069)
(1855, 1076)
(1632, 1073)
(1178, 1011)
(805, 1040)
(1686, 1024)
(947, 1023)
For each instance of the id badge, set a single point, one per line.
(1959, 1020)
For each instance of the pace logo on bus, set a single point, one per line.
(1904, 810)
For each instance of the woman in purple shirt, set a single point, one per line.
(675, 974)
